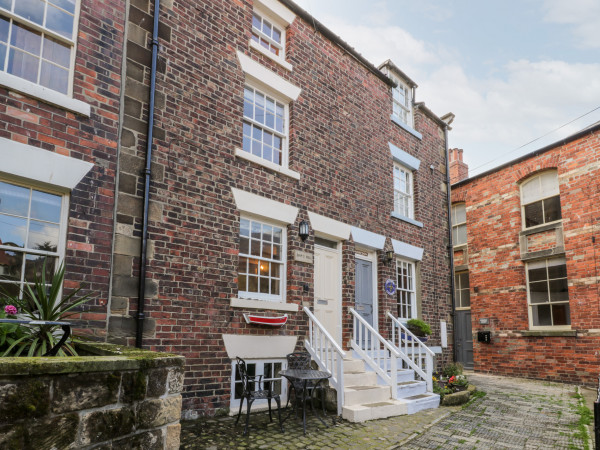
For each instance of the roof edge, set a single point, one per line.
(573, 137)
(318, 26)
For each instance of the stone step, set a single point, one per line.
(360, 379)
(411, 388)
(374, 410)
(355, 395)
(421, 402)
(354, 365)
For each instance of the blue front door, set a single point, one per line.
(364, 290)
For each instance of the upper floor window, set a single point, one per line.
(32, 231)
(459, 224)
(406, 291)
(268, 35)
(540, 199)
(402, 102)
(261, 261)
(462, 291)
(37, 41)
(548, 291)
(403, 191)
(265, 123)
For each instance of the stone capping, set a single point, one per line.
(102, 358)
(549, 333)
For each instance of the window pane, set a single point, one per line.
(461, 232)
(538, 292)
(242, 282)
(31, 10)
(244, 245)
(45, 206)
(465, 298)
(256, 21)
(10, 289)
(464, 281)
(253, 266)
(531, 190)
(26, 39)
(533, 214)
(23, 65)
(557, 271)
(14, 199)
(561, 314)
(275, 287)
(549, 183)
(552, 209)
(264, 268)
(264, 285)
(243, 265)
(13, 231)
(57, 52)
(4, 25)
(274, 270)
(541, 315)
(252, 284)
(559, 290)
(10, 265)
(460, 213)
(266, 250)
(68, 5)
(537, 274)
(59, 22)
(244, 227)
(34, 265)
(43, 236)
(54, 77)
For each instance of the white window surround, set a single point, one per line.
(275, 8)
(267, 164)
(265, 79)
(404, 193)
(45, 94)
(368, 239)
(280, 23)
(548, 302)
(547, 187)
(263, 207)
(406, 290)
(250, 303)
(43, 166)
(329, 228)
(258, 347)
(407, 251)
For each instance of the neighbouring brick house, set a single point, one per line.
(60, 86)
(265, 120)
(526, 268)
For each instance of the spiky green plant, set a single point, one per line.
(42, 301)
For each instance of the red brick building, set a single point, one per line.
(266, 120)
(60, 86)
(526, 268)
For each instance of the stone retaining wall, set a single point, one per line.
(119, 398)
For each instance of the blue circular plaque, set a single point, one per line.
(390, 287)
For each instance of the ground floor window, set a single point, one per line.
(548, 293)
(32, 233)
(462, 293)
(269, 369)
(405, 292)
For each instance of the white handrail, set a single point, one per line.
(411, 350)
(327, 353)
(377, 352)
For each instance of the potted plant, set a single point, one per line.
(419, 328)
(458, 383)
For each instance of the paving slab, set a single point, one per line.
(514, 414)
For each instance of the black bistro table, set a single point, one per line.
(304, 376)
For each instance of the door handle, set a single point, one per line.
(322, 302)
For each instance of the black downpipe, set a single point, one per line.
(450, 246)
(142, 285)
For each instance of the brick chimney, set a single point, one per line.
(458, 169)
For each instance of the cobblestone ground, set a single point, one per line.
(514, 414)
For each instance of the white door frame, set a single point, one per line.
(372, 258)
(338, 249)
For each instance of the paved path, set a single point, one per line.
(515, 414)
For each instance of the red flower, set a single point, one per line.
(452, 379)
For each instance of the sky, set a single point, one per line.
(512, 71)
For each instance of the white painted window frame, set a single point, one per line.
(410, 196)
(408, 96)
(260, 403)
(413, 292)
(456, 224)
(281, 27)
(459, 290)
(543, 197)
(63, 226)
(531, 305)
(283, 270)
(37, 90)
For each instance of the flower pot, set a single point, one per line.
(458, 388)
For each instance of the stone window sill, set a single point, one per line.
(407, 219)
(549, 333)
(282, 62)
(249, 303)
(406, 127)
(266, 164)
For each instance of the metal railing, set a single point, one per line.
(377, 352)
(415, 354)
(328, 355)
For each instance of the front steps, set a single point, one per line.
(365, 399)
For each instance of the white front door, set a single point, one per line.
(328, 296)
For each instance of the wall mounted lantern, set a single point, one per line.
(389, 256)
(303, 230)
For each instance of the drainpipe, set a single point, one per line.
(142, 285)
(450, 246)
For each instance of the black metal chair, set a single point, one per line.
(253, 389)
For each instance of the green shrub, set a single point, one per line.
(420, 327)
(452, 370)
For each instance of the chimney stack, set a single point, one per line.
(458, 169)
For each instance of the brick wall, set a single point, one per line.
(340, 129)
(97, 82)
(497, 273)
